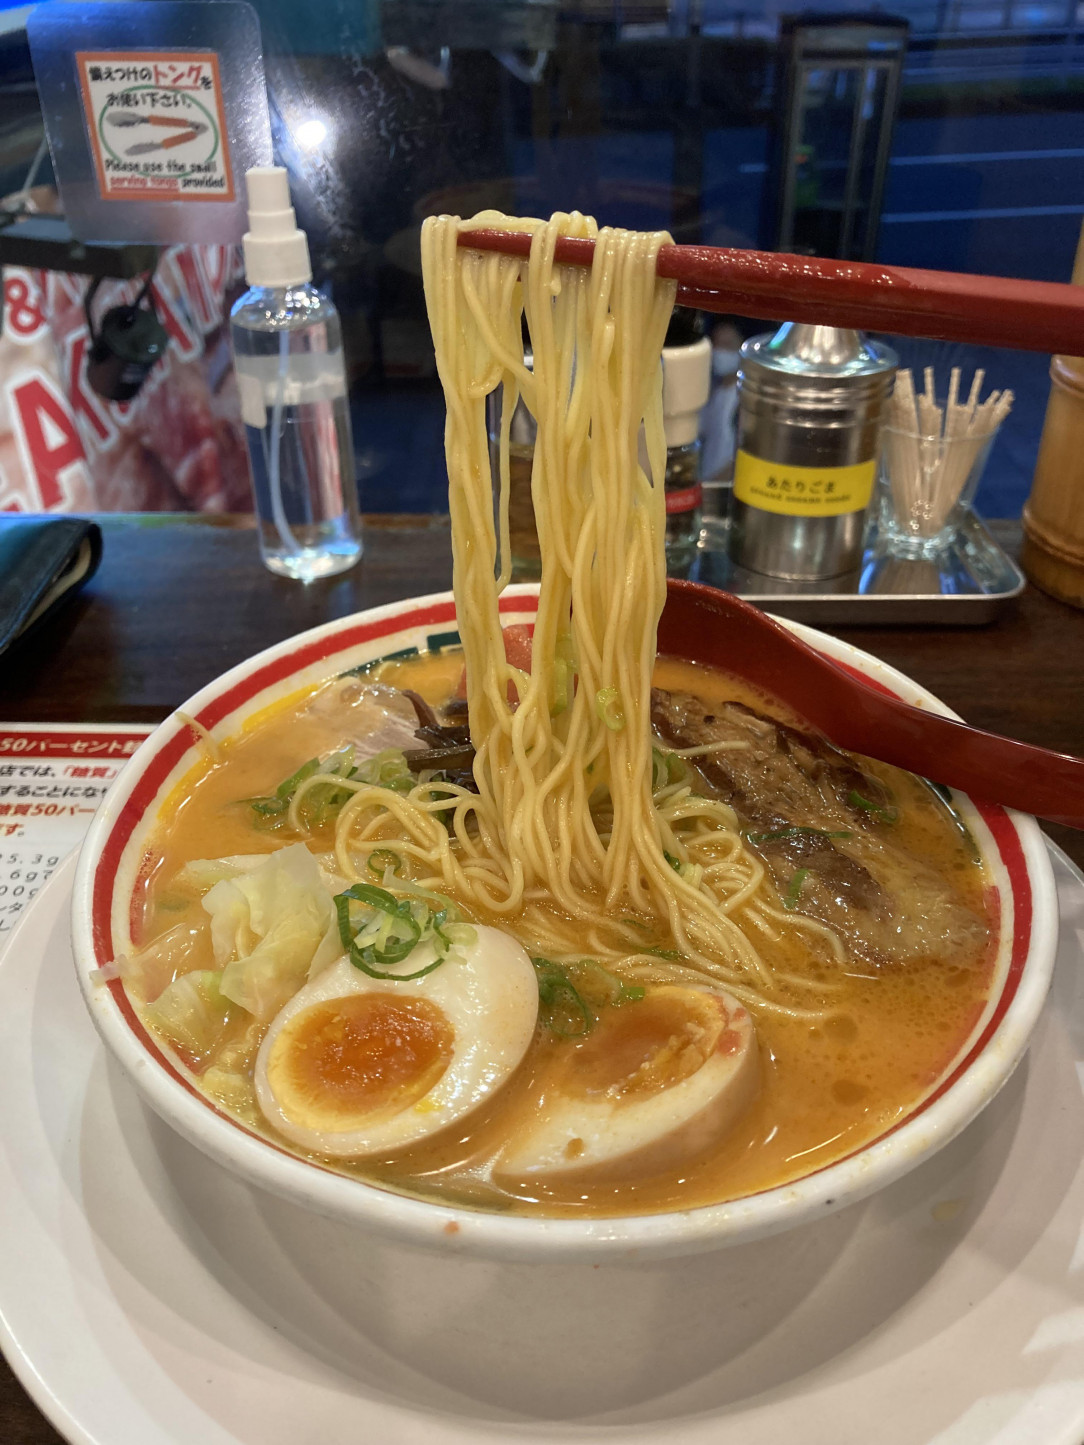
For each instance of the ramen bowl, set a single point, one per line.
(108, 898)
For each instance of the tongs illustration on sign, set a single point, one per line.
(187, 130)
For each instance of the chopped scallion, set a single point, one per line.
(608, 708)
(666, 768)
(856, 800)
(322, 802)
(561, 1001)
(615, 991)
(269, 807)
(381, 859)
(795, 889)
(386, 929)
(289, 787)
(571, 994)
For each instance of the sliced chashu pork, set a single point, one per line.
(823, 826)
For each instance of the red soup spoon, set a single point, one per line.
(737, 637)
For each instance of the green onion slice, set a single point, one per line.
(608, 708)
(856, 800)
(666, 768)
(388, 933)
(268, 807)
(795, 889)
(571, 994)
(289, 787)
(562, 1001)
(387, 769)
(636, 923)
(616, 990)
(381, 859)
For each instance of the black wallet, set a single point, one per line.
(43, 560)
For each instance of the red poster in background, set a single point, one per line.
(178, 446)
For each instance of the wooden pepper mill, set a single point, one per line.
(1053, 550)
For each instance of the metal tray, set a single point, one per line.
(967, 586)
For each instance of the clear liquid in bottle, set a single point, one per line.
(289, 363)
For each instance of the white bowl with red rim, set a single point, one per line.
(108, 899)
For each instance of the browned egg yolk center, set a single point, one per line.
(648, 1046)
(359, 1059)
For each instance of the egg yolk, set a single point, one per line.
(649, 1046)
(360, 1058)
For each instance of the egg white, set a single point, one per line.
(607, 1133)
(490, 999)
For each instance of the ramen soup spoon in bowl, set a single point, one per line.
(865, 718)
(702, 627)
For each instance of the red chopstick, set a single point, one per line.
(943, 305)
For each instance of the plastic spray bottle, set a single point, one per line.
(287, 346)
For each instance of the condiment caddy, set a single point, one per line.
(968, 584)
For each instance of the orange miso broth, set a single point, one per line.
(882, 1033)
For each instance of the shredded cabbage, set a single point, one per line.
(203, 873)
(192, 1013)
(328, 951)
(268, 928)
(150, 970)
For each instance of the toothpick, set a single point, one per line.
(976, 387)
(929, 455)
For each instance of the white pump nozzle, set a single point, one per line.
(276, 252)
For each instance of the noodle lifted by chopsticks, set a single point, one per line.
(565, 837)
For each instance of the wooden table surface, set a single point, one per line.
(179, 600)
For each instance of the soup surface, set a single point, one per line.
(876, 1036)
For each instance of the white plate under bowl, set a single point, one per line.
(148, 1297)
(114, 857)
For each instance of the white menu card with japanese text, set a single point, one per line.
(53, 777)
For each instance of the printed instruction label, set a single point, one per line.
(793, 491)
(53, 777)
(156, 125)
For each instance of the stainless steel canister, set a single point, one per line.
(810, 405)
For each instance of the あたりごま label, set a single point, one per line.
(796, 491)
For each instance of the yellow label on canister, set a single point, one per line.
(793, 491)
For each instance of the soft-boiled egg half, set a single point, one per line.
(654, 1083)
(355, 1065)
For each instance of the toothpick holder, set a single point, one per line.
(926, 484)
